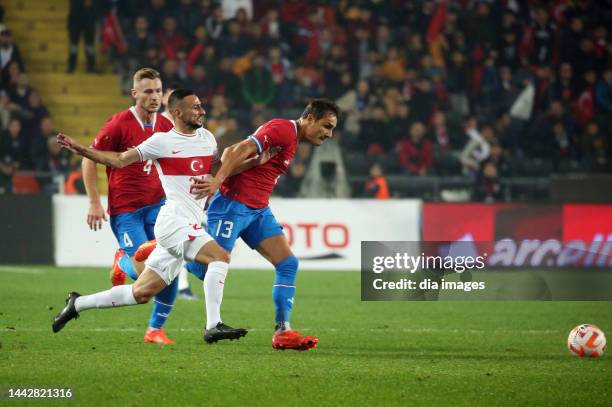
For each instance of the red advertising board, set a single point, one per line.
(521, 235)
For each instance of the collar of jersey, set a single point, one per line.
(183, 134)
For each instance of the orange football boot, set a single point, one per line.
(293, 340)
(117, 275)
(144, 250)
(157, 336)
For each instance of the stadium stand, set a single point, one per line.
(505, 94)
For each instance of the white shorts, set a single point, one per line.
(179, 242)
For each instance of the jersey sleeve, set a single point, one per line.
(151, 148)
(108, 138)
(273, 135)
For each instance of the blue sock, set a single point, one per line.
(197, 269)
(127, 267)
(284, 289)
(162, 305)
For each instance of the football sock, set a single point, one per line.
(183, 280)
(197, 269)
(163, 304)
(214, 281)
(117, 296)
(283, 291)
(126, 265)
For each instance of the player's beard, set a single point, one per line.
(196, 124)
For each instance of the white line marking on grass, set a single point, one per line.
(25, 270)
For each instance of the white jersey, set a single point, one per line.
(179, 158)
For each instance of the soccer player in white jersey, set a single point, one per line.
(184, 290)
(180, 155)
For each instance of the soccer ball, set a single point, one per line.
(587, 340)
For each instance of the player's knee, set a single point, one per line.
(142, 295)
(221, 255)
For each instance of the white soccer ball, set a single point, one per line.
(587, 340)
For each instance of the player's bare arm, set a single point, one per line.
(254, 161)
(233, 157)
(109, 158)
(96, 213)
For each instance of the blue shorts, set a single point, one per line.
(229, 219)
(134, 228)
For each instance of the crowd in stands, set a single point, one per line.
(482, 89)
(486, 89)
(29, 155)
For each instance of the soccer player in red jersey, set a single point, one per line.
(240, 207)
(135, 194)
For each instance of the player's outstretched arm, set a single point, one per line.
(108, 158)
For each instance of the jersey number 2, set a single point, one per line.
(227, 228)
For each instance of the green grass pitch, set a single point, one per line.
(375, 354)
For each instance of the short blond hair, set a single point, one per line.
(145, 73)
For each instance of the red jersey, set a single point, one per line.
(137, 185)
(254, 186)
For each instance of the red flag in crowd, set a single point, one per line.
(112, 36)
(437, 21)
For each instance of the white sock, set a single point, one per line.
(183, 283)
(214, 282)
(117, 296)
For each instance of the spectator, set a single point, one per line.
(139, 40)
(415, 153)
(214, 23)
(233, 45)
(377, 187)
(33, 114)
(477, 148)
(258, 88)
(200, 84)
(13, 148)
(170, 39)
(186, 16)
(376, 136)
(82, 20)
(38, 146)
(423, 101)
(232, 7)
(7, 109)
(603, 92)
(20, 92)
(487, 187)
(60, 159)
(9, 52)
(593, 149)
(585, 105)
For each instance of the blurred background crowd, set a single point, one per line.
(451, 100)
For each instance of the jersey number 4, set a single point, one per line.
(147, 166)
